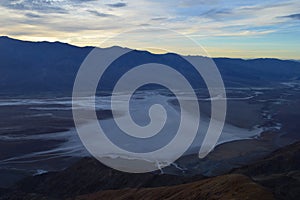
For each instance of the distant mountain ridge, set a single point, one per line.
(52, 67)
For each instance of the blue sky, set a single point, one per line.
(244, 29)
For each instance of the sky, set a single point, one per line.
(244, 29)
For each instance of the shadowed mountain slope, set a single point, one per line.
(225, 187)
(52, 66)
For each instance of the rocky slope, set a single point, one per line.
(276, 176)
(279, 171)
(88, 175)
(225, 187)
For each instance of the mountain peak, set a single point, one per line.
(5, 37)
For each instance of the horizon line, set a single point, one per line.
(145, 50)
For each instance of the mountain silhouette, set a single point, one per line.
(34, 67)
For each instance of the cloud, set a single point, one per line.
(217, 13)
(158, 18)
(81, 1)
(50, 6)
(293, 16)
(85, 22)
(117, 5)
(32, 15)
(100, 14)
(191, 3)
(20, 33)
(145, 24)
